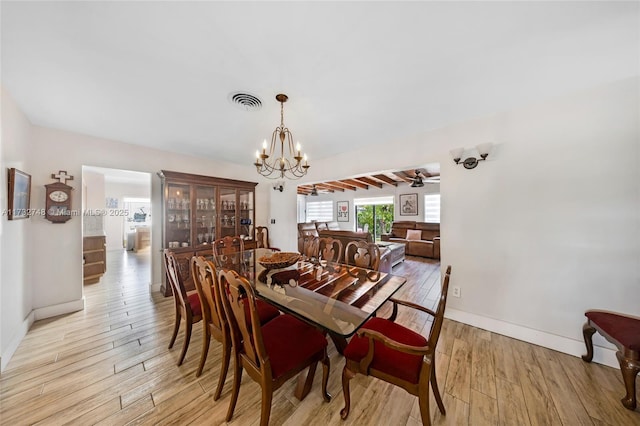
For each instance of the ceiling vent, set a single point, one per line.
(245, 101)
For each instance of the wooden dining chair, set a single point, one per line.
(310, 246)
(224, 247)
(271, 353)
(395, 354)
(216, 325)
(187, 305)
(330, 249)
(362, 254)
(261, 237)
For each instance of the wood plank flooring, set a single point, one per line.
(110, 365)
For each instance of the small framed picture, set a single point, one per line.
(19, 194)
(343, 211)
(408, 204)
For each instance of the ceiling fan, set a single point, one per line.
(419, 179)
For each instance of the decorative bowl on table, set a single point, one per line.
(280, 259)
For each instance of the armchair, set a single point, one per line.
(397, 355)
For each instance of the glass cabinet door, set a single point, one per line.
(245, 219)
(178, 216)
(227, 214)
(205, 219)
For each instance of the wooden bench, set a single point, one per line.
(624, 332)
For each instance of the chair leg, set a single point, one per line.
(326, 366)
(176, 327)
(237, 377)
(185, 345)
(423, 402)
(630, 370)
(206, 338)
(434, 386)
(587, 334)
(347, 375)
(226, 356)
(265, 409)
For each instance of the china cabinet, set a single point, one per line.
(200, 209)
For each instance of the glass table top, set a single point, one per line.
(336, 297)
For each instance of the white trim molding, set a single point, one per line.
(60, 309)
(566, 345)
(15, 341)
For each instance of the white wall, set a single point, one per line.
(15, 258)
(546, 228)
(55, 286)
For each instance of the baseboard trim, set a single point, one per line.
(17, 338)
(601, 355)
(60, 309)
(156, 287)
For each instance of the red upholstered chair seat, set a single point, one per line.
(194, 303)
(387, 360)
(624, 329)
(290, 343)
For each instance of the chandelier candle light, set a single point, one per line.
(275, 165)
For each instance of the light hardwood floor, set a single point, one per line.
(110, 365)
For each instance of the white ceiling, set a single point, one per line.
(159, 73)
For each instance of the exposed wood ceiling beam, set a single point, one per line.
(330, 185)
(370, 181)
(341, 184)
(386, 179)
(355, 183)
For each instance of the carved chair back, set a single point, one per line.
(310, 247)
(330, 249)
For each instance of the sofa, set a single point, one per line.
(420, 238)
(329, 229)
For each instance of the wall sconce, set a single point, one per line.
(472, 162)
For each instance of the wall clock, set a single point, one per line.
(58, 201)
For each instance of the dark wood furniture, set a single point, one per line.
(362, 254)
(215, 325)
(624, 332)
(329, 230)
(94, 258)
(271, 353)
(333, 297)
(261, 238)
(196, 210)
(330, 249)
(310, 247)
(187, 305)
(397, 355)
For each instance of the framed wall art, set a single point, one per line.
(18, 204)
(343, 211)
(408, 204)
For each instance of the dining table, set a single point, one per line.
(335, 297)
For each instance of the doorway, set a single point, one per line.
(116, 205)
(374, 215)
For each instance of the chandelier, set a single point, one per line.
(275, 164)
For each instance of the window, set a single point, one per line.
(374, 215)
(432, 208)
(321, 211)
